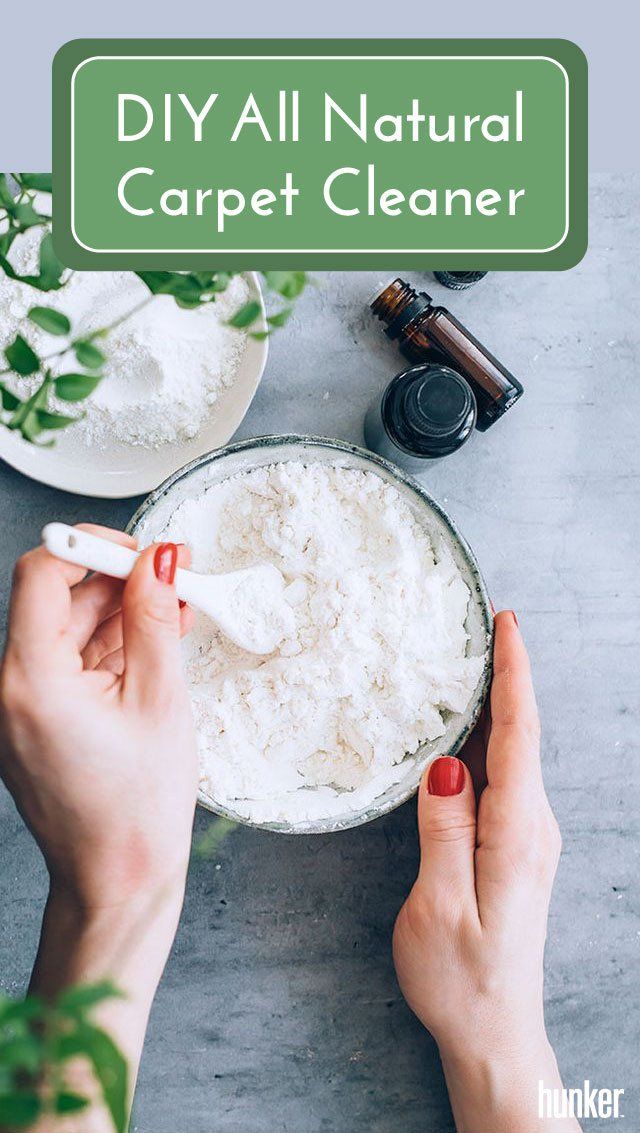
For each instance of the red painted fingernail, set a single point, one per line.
(446, 776)
(513, 615)
(165, 561)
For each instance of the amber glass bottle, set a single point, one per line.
(426, 333)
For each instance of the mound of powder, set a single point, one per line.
(373, 661)
(166, 366)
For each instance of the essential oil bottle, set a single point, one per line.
(459, 280)
(425, 413)
(425, 333)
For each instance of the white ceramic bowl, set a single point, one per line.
(130, 470)
(245, 456)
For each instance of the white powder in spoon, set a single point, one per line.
(254, 610)
(166, 367)
(373, 662)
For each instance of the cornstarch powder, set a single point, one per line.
(374, 657)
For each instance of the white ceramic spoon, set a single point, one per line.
(249, 606)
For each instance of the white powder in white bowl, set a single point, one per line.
(166, 365)
(375, 660)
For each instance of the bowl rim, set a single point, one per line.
(275, 440)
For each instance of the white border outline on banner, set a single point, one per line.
(320, 251)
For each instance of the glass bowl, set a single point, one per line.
(205, 471)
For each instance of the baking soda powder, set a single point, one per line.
(166, 365)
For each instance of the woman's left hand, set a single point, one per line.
(469, 940)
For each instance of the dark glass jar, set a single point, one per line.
(426, 333)
(425, 413)
(459, 280)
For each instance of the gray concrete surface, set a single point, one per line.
(279, 1010)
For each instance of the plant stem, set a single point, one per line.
(34, 402)
(123, 318)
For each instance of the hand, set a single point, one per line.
(469, 940)
(97, 744)
(97, 747)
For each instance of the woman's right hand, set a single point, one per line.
(97, 746)
(97, 741)
(469, 940)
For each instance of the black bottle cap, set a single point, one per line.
(429, 410)
(459, 280)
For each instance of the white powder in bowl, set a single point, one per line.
(375, 655)
(166, 366)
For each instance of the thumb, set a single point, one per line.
(447, 826)
(151, 625)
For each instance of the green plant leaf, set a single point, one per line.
(49, 278)
(50, 267)
(211, 840)
(289, 284)
(26, 409)
(83, 996)
(184, 287)
(156, 281)
(21, 357)
(88, 355)
(9, 401)
(22, 1052)
(26, 215)
(109, 1066)
(213, 281)
(6, 240)
(49, 420)
(204, 279)
(247, 314)
(29, 427)
(54, 322)
(188, 302)
(7, 199)
(66, 1102)
(41, 181)
(20, 1009)
(112, 1072)
(75, 387)
(280, 317)
(19, 1109)
(189, 289)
